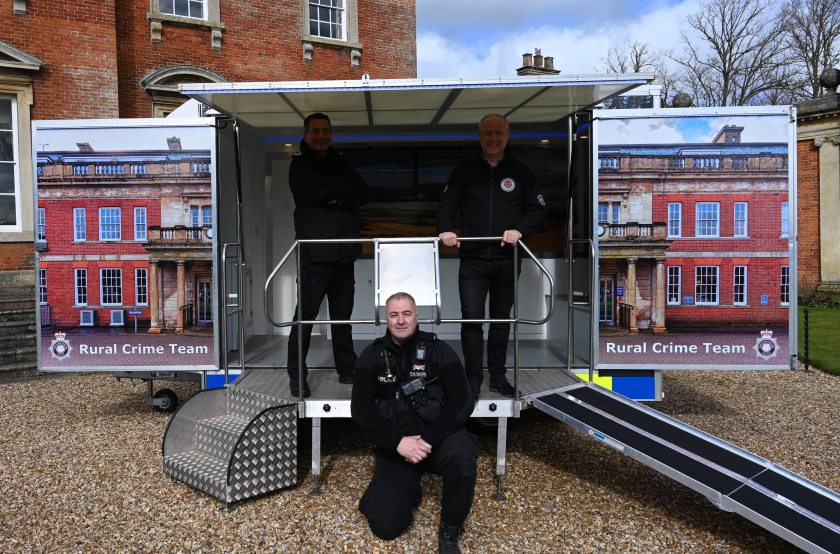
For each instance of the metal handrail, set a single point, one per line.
(295, 246)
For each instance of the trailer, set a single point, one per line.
(669, 244)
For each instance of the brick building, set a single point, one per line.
(818, 171)
(694, 234)
(110, 59)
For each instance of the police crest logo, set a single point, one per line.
(508, 184)
(60, 346)
(766, 345)
(541, 200)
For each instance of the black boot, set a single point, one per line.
(295, 389)
(448, 538)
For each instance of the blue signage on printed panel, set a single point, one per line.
(688, 299)
(764, 299)
(619, 291)
(135, 312)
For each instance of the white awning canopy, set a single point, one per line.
(416, 103)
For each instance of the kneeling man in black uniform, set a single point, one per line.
(411, 398)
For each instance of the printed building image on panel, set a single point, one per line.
(693, 235)
(125, 234)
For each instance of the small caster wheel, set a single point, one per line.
(168, 400)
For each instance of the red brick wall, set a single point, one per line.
(763, 278)
(77, 42)
(808, 214)
(89, 73)
(261, 41)
(16, 256)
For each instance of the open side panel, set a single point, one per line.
(125, 256)
(794, 508)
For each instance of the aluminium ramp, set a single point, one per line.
(794, 508)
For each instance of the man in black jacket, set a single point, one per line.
(326, 190)
(411, 399)
(495, 195)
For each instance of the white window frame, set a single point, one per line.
(42, 286)
(674, 284)
(706, 271)
(785, 224)
(334, 7)
(675, 219)
(119, 224)
(79, 224)
(80, 286)
(744, 221)
(41, 224)
(141, 282)
(17, 226)
(161, 4)
(700, 207)
(102, 285)
(350, 32)
(603, 213)
(739, 282)
(140, 227)
(615, 216)
(201, 216)
(784, 289)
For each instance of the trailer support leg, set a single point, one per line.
(316, 457)
(501, 461)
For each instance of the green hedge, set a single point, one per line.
(824, 333)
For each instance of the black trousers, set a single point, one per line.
(478, 277)
(338, 283)
(394, 492)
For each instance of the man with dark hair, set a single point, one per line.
(411, 399)
(326, 190)
(494, 195)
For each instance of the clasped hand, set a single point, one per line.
(414, 449)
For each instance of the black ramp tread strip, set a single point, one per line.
(680, 437)
(698, 471)
(811, 500)
(788, 518)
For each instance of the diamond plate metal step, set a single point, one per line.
(233, 444)
(199, 470)
(217, 436)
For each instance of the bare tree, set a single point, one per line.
(812, 36)
(636, 57)
(733, 54)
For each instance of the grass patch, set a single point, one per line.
(823, 332)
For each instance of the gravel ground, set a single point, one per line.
(80, 471)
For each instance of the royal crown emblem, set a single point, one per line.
(60, 347)
(766, 345)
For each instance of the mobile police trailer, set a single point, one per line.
(658, 235)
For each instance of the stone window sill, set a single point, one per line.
(331, 42)
(158, 16)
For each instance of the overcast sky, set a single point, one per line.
(486, 38)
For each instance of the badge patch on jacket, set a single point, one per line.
(508, 184)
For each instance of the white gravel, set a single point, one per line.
(80, 471)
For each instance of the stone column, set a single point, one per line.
(829, 208)
(631, 293)
(659, 298)
(154, 298)
(182, 295)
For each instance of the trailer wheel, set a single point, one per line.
(169, 398)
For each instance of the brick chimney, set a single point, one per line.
(730, 134)
(536, 64)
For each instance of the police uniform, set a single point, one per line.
(488, 200)
(326, 191)
(417, 387)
